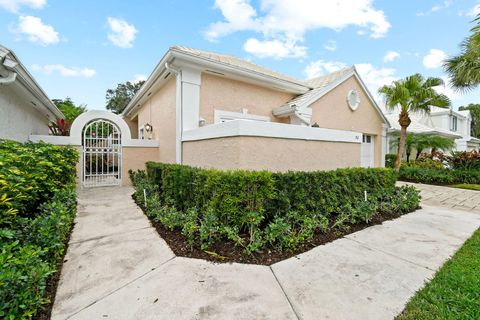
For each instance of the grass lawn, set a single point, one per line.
(454, 292)
(475, 187)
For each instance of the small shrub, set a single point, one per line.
(464, 160)
(425, 163)
(439, 176)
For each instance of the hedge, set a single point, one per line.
(439, 176)
(37, 208)
(260, 208)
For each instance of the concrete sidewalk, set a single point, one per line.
(447, 197)
(119, 268)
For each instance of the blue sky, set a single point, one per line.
(81, 48)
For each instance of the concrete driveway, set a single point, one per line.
(117, 267)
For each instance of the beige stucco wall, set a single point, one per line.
(275, 154)
(332, 111)
(160, 111)
(231, 95)
(134, 158)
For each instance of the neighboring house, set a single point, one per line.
(444, 122)
(213, 110)
(25, 109)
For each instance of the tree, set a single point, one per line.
(464, 69)
(61, 127)
(421, 141)
(118, 99)
(412, 94)
(69, 109)
(474, 109)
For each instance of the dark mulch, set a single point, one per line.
(52, 283)
(227, 251)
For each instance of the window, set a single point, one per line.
(141, 133)
(366, 139)
(224, 116)
(453, 124)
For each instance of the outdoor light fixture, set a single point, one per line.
(201, 122)
(148, 127)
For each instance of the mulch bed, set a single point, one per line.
(228, 252)
(45, 312)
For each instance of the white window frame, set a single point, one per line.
(454, 123)
(223, 116)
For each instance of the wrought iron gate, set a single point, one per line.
(101, 154)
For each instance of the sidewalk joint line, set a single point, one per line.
(285, 294)
(107, 235)
(121, 287)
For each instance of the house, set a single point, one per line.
(214, 110)
(455, 125)
(25, 109)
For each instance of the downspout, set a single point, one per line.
(10, 78)
(179, 113)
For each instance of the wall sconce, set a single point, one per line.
(148, 127)
(201, 122)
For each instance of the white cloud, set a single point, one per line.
(122, 34)
(274, 49)
(36, 30)
(440, 6)
(14, 5)
(288, 21)
(375, 78)
(320, 67)
(448, 90)
(138, 78)
(64, 71)
(434, 59)
(331, 45)
(473, 12)
(390, 56)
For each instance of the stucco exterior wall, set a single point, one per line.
(260, 153)
(134, 158)
(332, 111)
(160, 112)
(18, 118)
(231, 95)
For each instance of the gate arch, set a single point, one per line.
(101, 154)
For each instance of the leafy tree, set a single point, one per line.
(69, 109)
(412, 94)
(474, 109)
(118, 98)
(421, 141)
(464, 69)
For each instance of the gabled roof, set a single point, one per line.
(10, 62)
(324, 84)
(236, 62)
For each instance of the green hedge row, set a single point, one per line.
(439, 176)
(37, 208)
(260, 208)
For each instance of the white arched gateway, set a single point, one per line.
(101, 154)
(107, 148)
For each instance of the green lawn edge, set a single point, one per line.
(454, 292)
(467, 186)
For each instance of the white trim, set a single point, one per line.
(222, 116)
(270, 129)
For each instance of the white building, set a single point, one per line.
(25, 109)
(440, 121)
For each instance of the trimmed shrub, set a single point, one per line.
(37, 208)
(439, 176)
(255, 209)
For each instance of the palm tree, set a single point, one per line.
(412, 94)
(464, 69)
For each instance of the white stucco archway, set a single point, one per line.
(87, 117)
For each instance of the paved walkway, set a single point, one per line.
(455, 198)
(117, 267)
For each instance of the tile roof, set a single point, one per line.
(237, 62)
